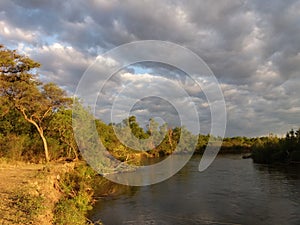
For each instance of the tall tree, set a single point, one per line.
(20, 87)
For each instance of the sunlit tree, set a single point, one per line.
(19, 86)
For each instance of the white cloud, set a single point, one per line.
(15, 34)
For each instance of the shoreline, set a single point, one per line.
(54, 188)
(33, 193)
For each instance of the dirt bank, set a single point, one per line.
(28, 192)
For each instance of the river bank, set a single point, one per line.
(65, 193)
(54, 193)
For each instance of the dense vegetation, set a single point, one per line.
(28, 110)
(36, 125)
(36, 120)
(77, 198)
(277, 150)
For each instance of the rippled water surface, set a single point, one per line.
(231, 191)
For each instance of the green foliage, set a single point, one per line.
(60, 128)
(237, 144)
(202, 143)
(275, 150)
(136, 129)
(265, 153)
(55, 147)
(21, 91)
(76, 187)
(66, 213)
(13, 146)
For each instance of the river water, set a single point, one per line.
(231, 191)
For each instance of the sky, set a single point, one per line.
(252, 47)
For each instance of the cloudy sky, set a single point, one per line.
(252, 47)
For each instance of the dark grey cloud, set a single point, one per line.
(252, 47)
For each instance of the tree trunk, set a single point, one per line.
(41, 133)
(45, 145)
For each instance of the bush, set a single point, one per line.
(13, 146)
(66, 212)
(77, 197)
(54, 148)
(269, 152)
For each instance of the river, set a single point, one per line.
(231, 191)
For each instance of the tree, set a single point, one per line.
(136, 129)
(154, 134)
(20, 87)
(61, 126)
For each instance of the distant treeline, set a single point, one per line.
(277, 150)
(36, 125)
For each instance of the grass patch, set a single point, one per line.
(26, 206)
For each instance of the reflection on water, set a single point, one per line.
(230, 191)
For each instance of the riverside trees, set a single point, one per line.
(35, 116)
(30, 109)
(20, 90)
(278, 150)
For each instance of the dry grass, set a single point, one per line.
(28, 192)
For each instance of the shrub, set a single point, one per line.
(77, 197)
(13, 146)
